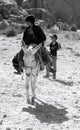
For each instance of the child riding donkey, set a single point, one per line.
(33, 34)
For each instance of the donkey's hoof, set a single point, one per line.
(28, 101)
(32, 101)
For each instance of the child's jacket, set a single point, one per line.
(53, 48)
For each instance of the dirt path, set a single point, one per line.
(58, 102)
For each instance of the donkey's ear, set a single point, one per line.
(23, 43)
(36, 48)
(24, 47)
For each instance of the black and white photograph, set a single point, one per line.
(39, 64)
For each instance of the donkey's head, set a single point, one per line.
(29, 53)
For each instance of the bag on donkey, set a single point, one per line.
(15, 61)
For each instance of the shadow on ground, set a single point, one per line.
(47, 113)
(69, 83)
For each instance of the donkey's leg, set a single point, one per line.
(27, 90)
(47, 70)
(33, 87)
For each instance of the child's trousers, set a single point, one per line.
(54, 64)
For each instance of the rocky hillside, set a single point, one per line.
(11, 15)
(67, 10)
(8, 1)
(48, 10)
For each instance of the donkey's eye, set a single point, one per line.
(32, 60)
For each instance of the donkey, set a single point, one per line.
(31, 68)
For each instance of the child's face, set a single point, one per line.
(29, 24)
(53, 39)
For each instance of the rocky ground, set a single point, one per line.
(57, 101)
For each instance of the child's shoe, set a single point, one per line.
(54, 75)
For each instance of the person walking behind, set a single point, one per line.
(54, 47)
